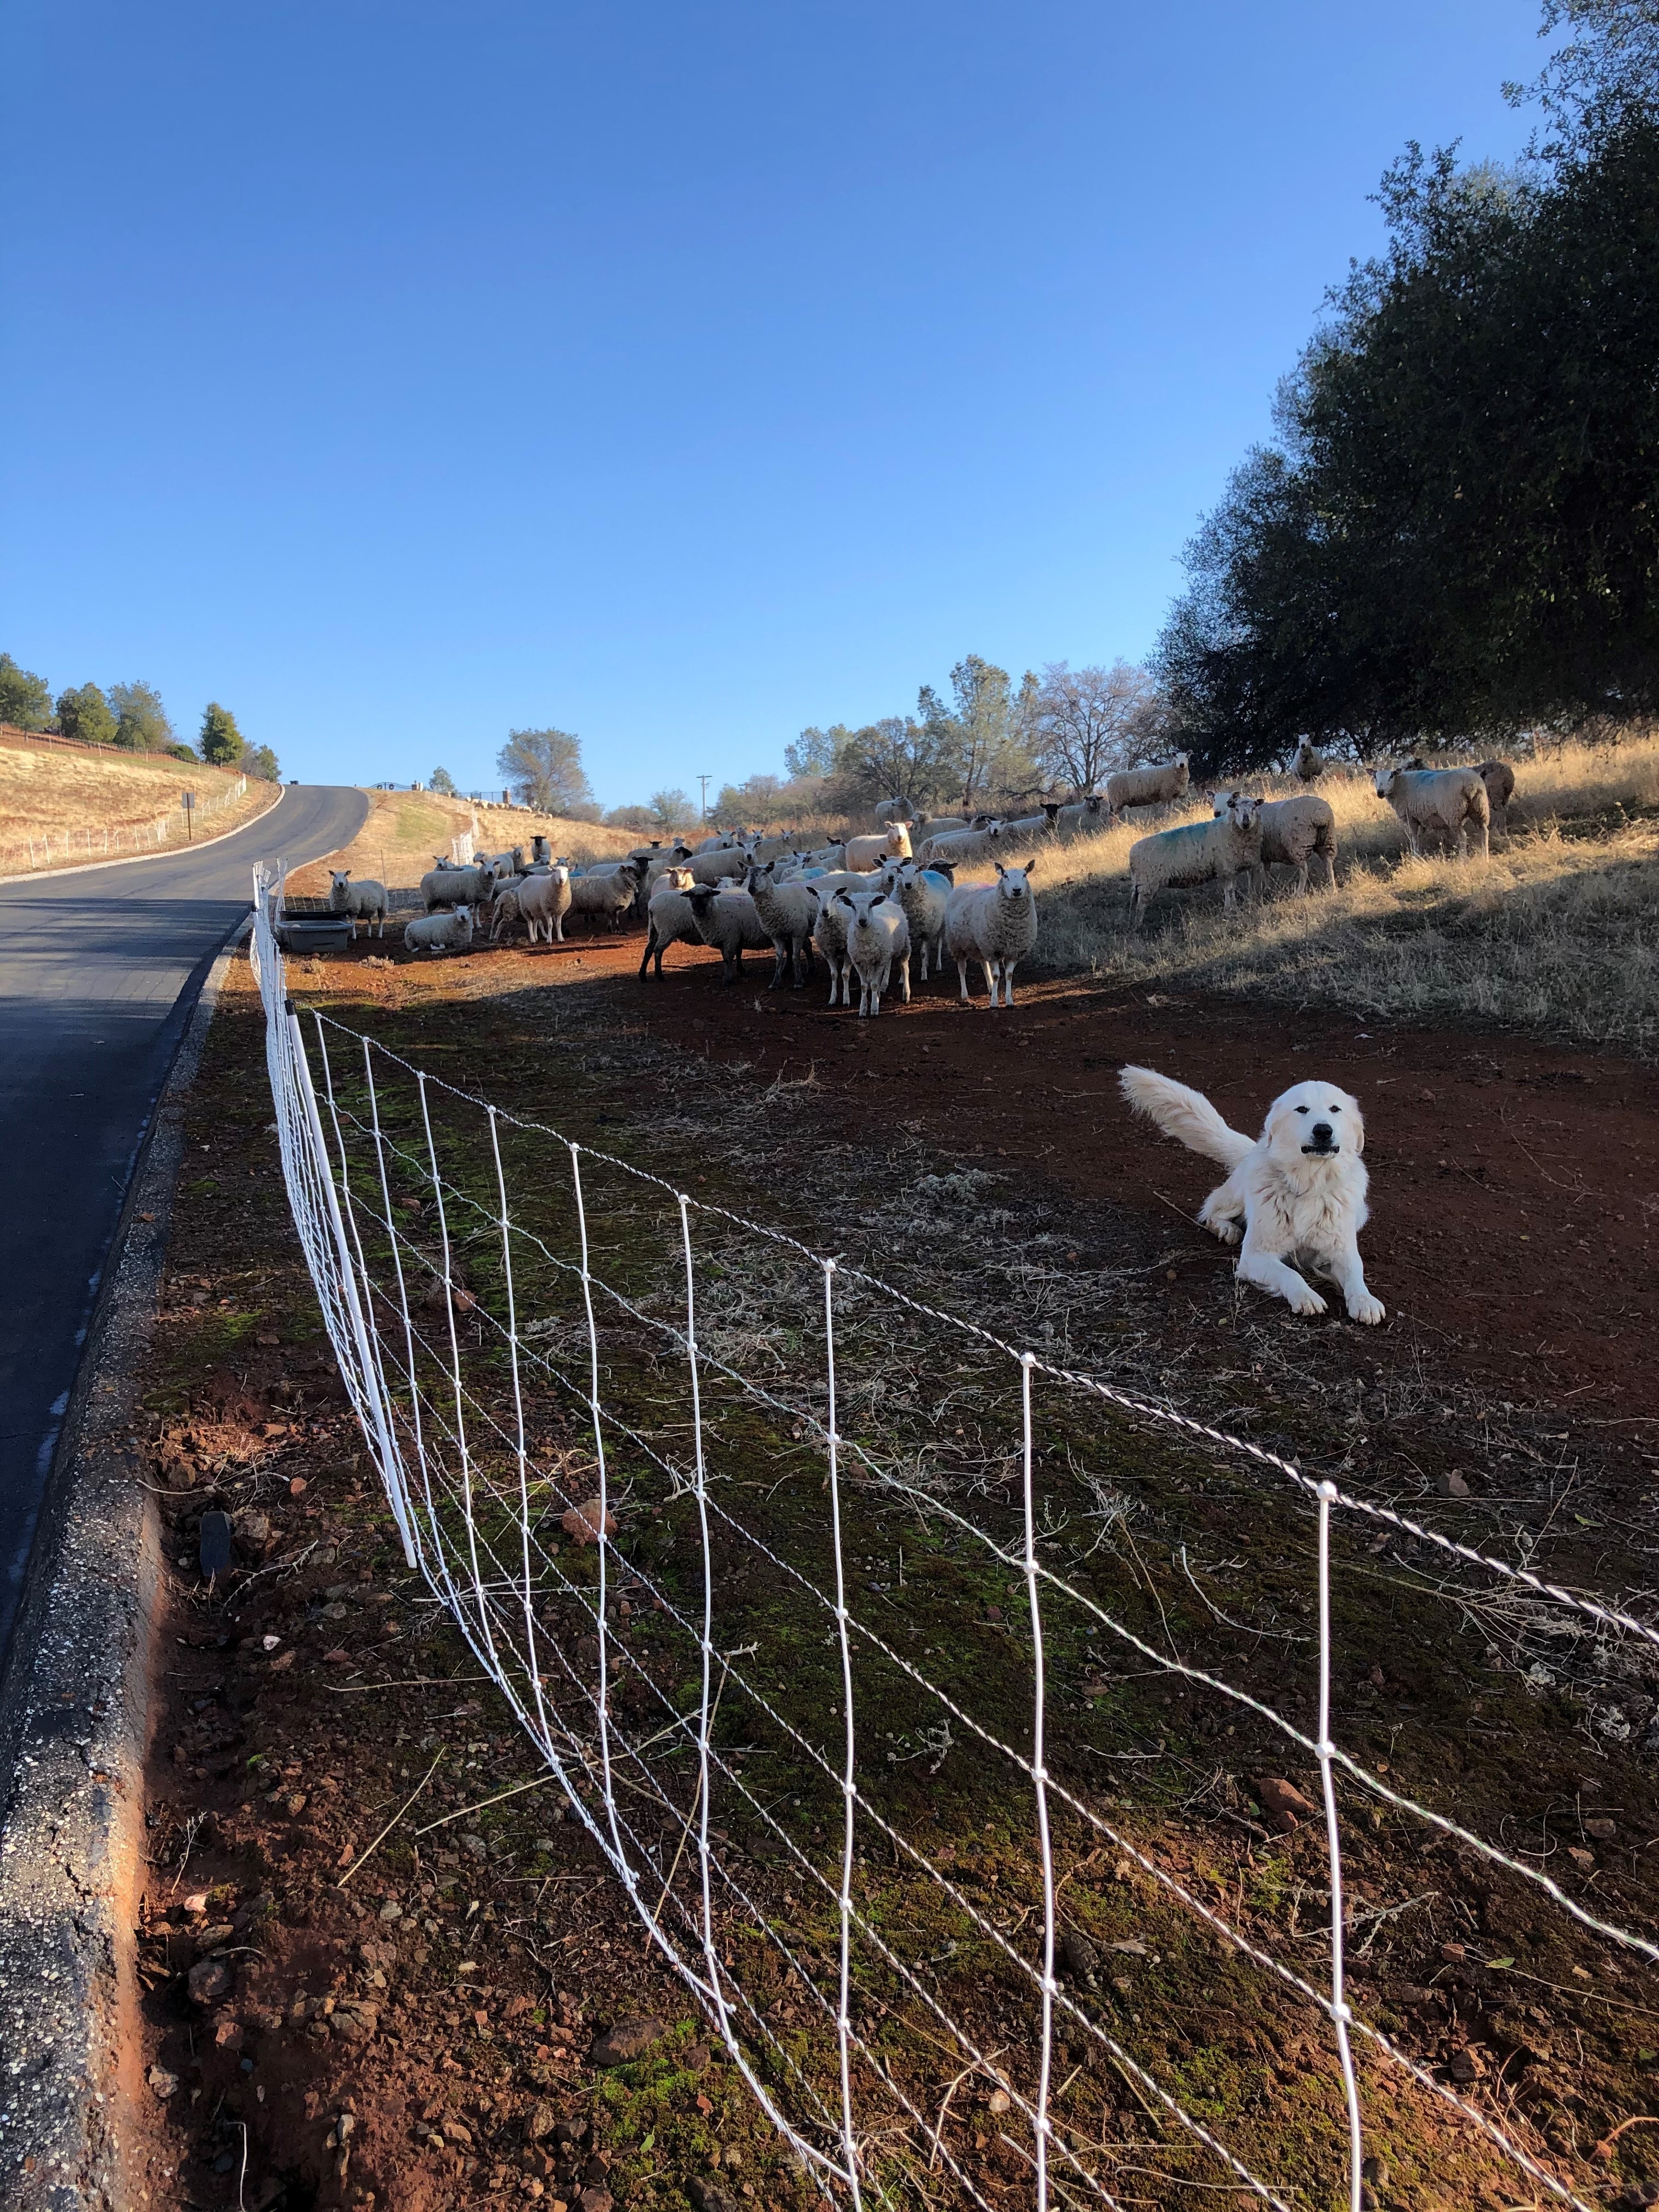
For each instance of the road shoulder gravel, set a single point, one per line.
(73, 1723)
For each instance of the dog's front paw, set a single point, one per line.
(1303, 1300)
(1226, 1226)
(1362, 1307)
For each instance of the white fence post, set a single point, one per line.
(1341, 2014)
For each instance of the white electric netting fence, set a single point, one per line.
(659, 1463)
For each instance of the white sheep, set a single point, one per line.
(1024, 827)
(790, 911)
(473, 885)
(1438, 803)
(541, 852)
(936, 825)
(669, 918)
(441, 932)
(829, 936)
(827, 856)
(364, 902)
(1309, 763)
(878, 945)
(505, 864)
(605, 898)
(894, 809)
(1147, 787)
(728, 921)
(1082, 815)
(505, 913)
(1220, 850)
(961, 848)
(544, 901)
(676, 856)
(867, 853)
(718, 862)
(1292, 831)
(994, 924)
(925, 895)
(1499, 779)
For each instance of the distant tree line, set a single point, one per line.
(989, 744)
(129, 715)
(1454, 532)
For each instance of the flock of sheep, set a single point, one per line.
(870, 906)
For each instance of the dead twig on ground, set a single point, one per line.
(391, 1824)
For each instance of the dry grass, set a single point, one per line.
(1553, 933)
(45, 793)
(406, 829)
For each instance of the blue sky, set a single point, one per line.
(679, 374)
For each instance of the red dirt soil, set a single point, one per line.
(1515, 1184)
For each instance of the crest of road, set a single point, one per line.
(99, 971)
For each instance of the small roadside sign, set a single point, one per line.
(187, 801)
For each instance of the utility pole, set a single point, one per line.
(702, 801)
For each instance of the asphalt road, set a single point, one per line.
(99, 971)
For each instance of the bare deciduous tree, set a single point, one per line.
(1081, 723)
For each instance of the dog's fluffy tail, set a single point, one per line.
(1184, 1114)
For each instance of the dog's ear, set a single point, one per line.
(1359, 1124)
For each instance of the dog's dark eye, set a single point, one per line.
(1301, 1109)
(1333, 1109)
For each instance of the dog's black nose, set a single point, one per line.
(1322, 1133)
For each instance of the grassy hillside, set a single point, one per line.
(83, 804)
(1552, 934)
(407, 830)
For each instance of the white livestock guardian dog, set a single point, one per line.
(1295, 1194)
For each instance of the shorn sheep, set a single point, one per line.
(1309, 763)
(543, 903)
(790, 912)
(1220, 851)
(441, 932)
(1499, 779)
(894, 809)
(877, 946)
(994, 924)
(1293, 831)
(1438, 803)
(1147, 787)
(728, 921)
(364, 902)
(669, 919)
(925, 895)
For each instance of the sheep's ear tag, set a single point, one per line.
(215, 1552)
